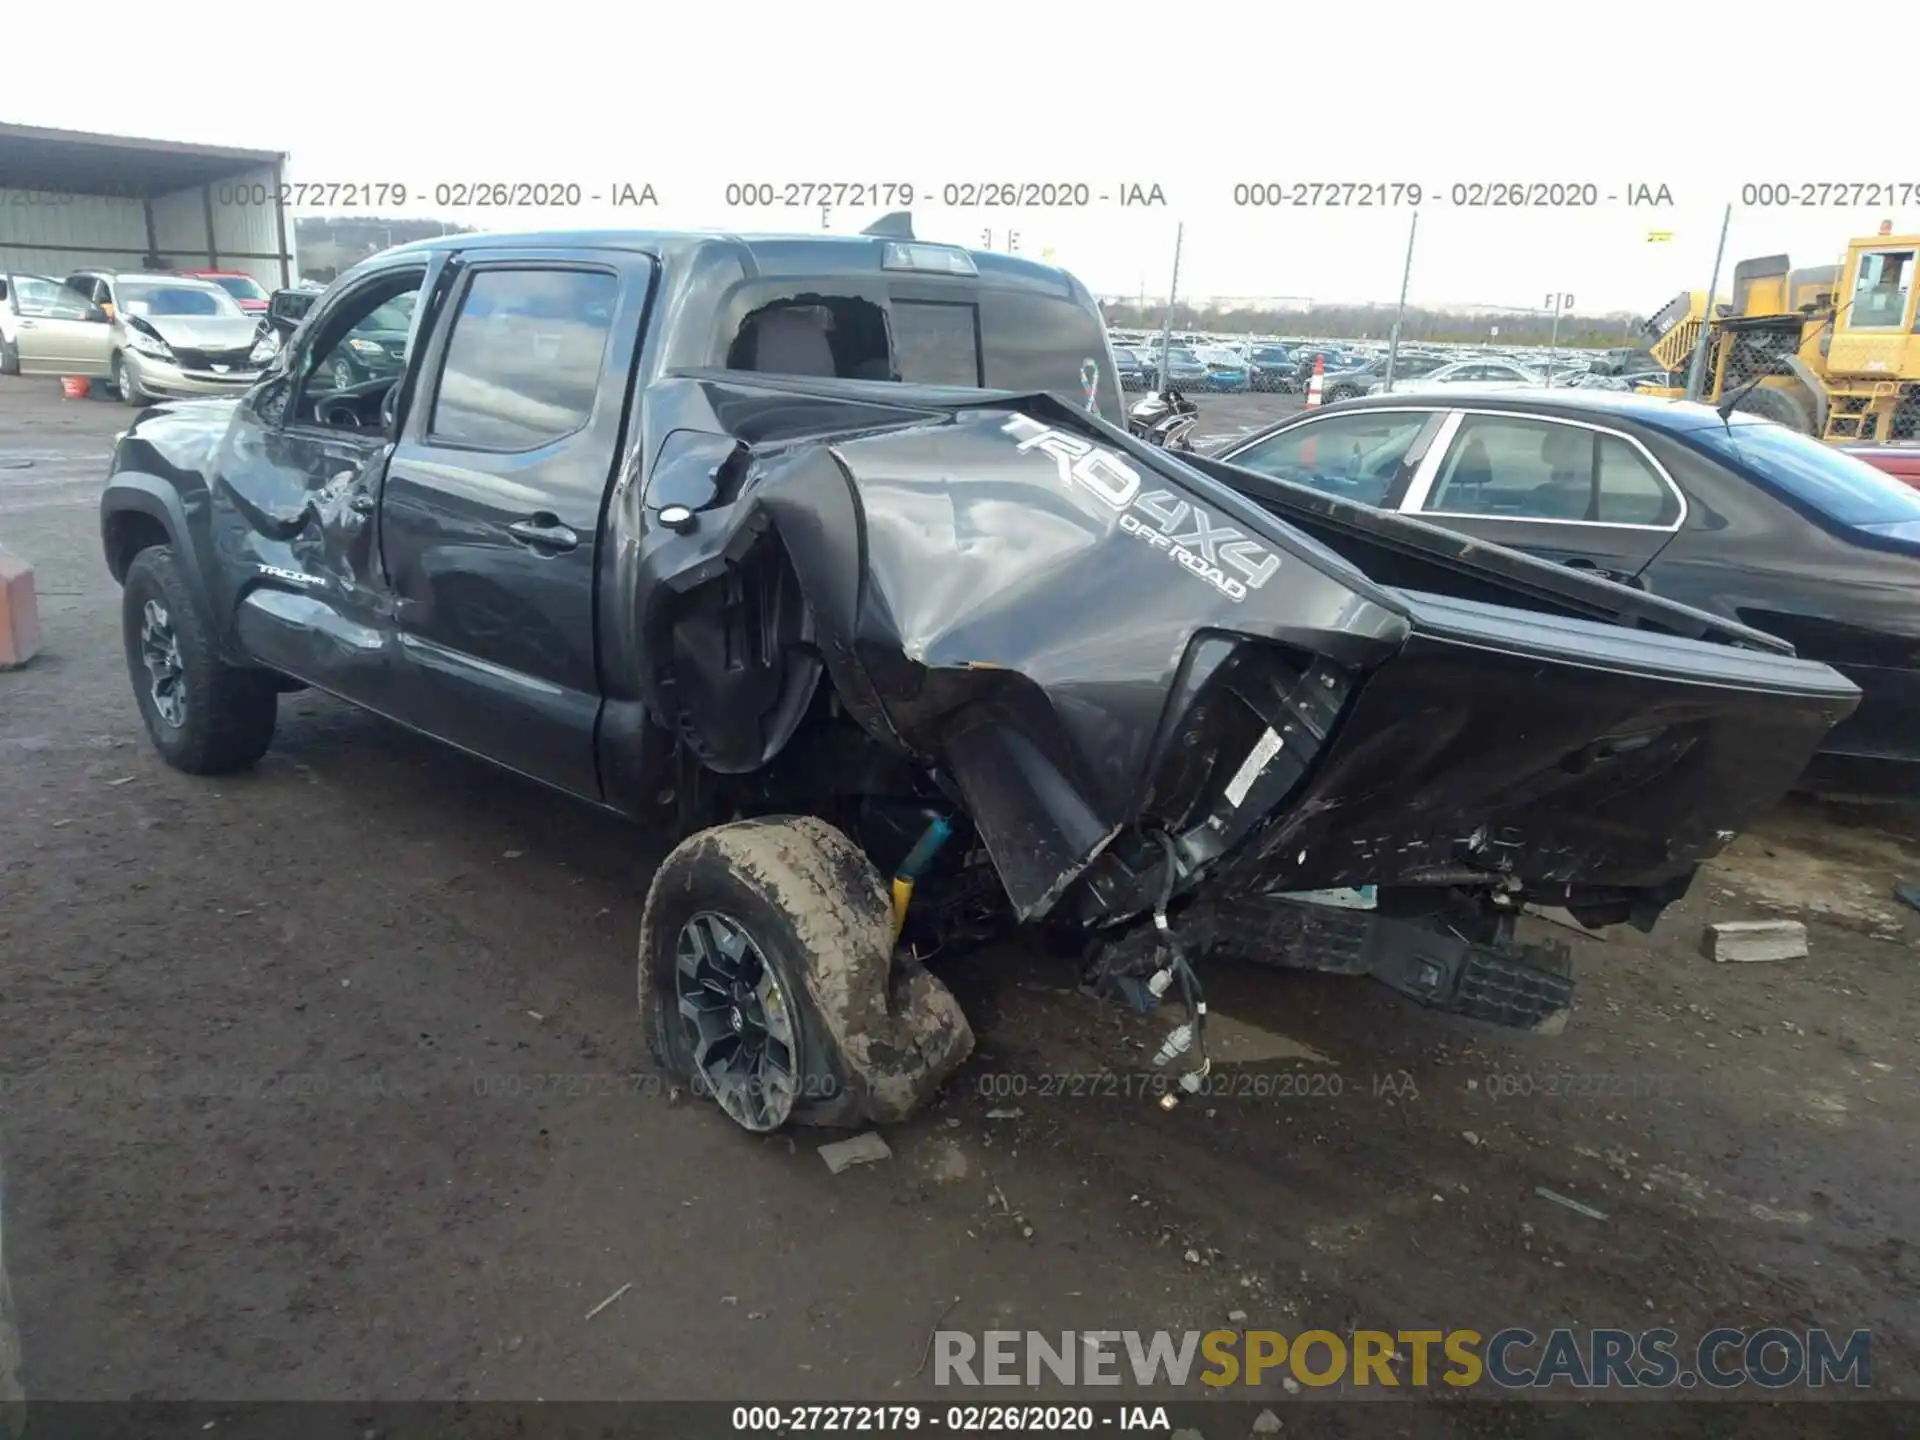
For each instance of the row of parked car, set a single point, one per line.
(1198, 363)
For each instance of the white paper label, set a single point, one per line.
(1250, 768)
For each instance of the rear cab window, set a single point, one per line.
(920, 330)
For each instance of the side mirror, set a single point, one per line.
(98, 315)
(287, 308)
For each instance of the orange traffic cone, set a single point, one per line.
(1319, 379)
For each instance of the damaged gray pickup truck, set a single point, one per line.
(832, 555)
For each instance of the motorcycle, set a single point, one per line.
(1165, 418)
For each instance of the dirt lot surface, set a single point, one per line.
(325, 1081)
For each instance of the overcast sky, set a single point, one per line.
(1194, 100)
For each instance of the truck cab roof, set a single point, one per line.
(854, 307)
(771, 255)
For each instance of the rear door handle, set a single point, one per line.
(544, 532)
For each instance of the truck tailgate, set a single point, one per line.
(1546, 748)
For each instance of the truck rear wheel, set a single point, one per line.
(205, 717)
(768, 981)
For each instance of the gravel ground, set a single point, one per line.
(277, 1060)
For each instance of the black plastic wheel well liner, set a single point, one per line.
(742, 658)
(128, 532)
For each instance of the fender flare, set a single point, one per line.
(132, 493)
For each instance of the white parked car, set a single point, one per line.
(1469, 374)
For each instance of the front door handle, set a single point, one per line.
(544, 532)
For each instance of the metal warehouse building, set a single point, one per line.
(70, 201)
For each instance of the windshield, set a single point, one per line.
(1831, 481)
(153, 297)
(241, 287)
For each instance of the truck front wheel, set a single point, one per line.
(768, 981)
(205, 717)
(1785, 405)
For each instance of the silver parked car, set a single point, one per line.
(171, 335)
(1479, 374)
(46, 329)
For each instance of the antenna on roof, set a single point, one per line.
(897, 226)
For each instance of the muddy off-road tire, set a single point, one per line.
(205, 717)
(778, 933)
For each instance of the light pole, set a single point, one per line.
(1697, 369)
(1173, 295)
(1406, 273)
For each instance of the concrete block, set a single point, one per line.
(1754, 940)
(19, 612)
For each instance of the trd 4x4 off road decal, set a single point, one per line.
(1205, 546)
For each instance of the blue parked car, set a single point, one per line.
(1227, 377)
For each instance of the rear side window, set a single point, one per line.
(1510, 468)
(1629, 492)
(524, 360)
(937, 343)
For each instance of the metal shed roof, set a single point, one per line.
(74, 162)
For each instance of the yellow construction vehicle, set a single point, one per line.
(1832, 351)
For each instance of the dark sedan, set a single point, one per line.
(1737, 516)
(1274, 370)
(1129, 368)
(1185, 370)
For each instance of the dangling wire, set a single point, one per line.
(1090, 385)
(1190, 992)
